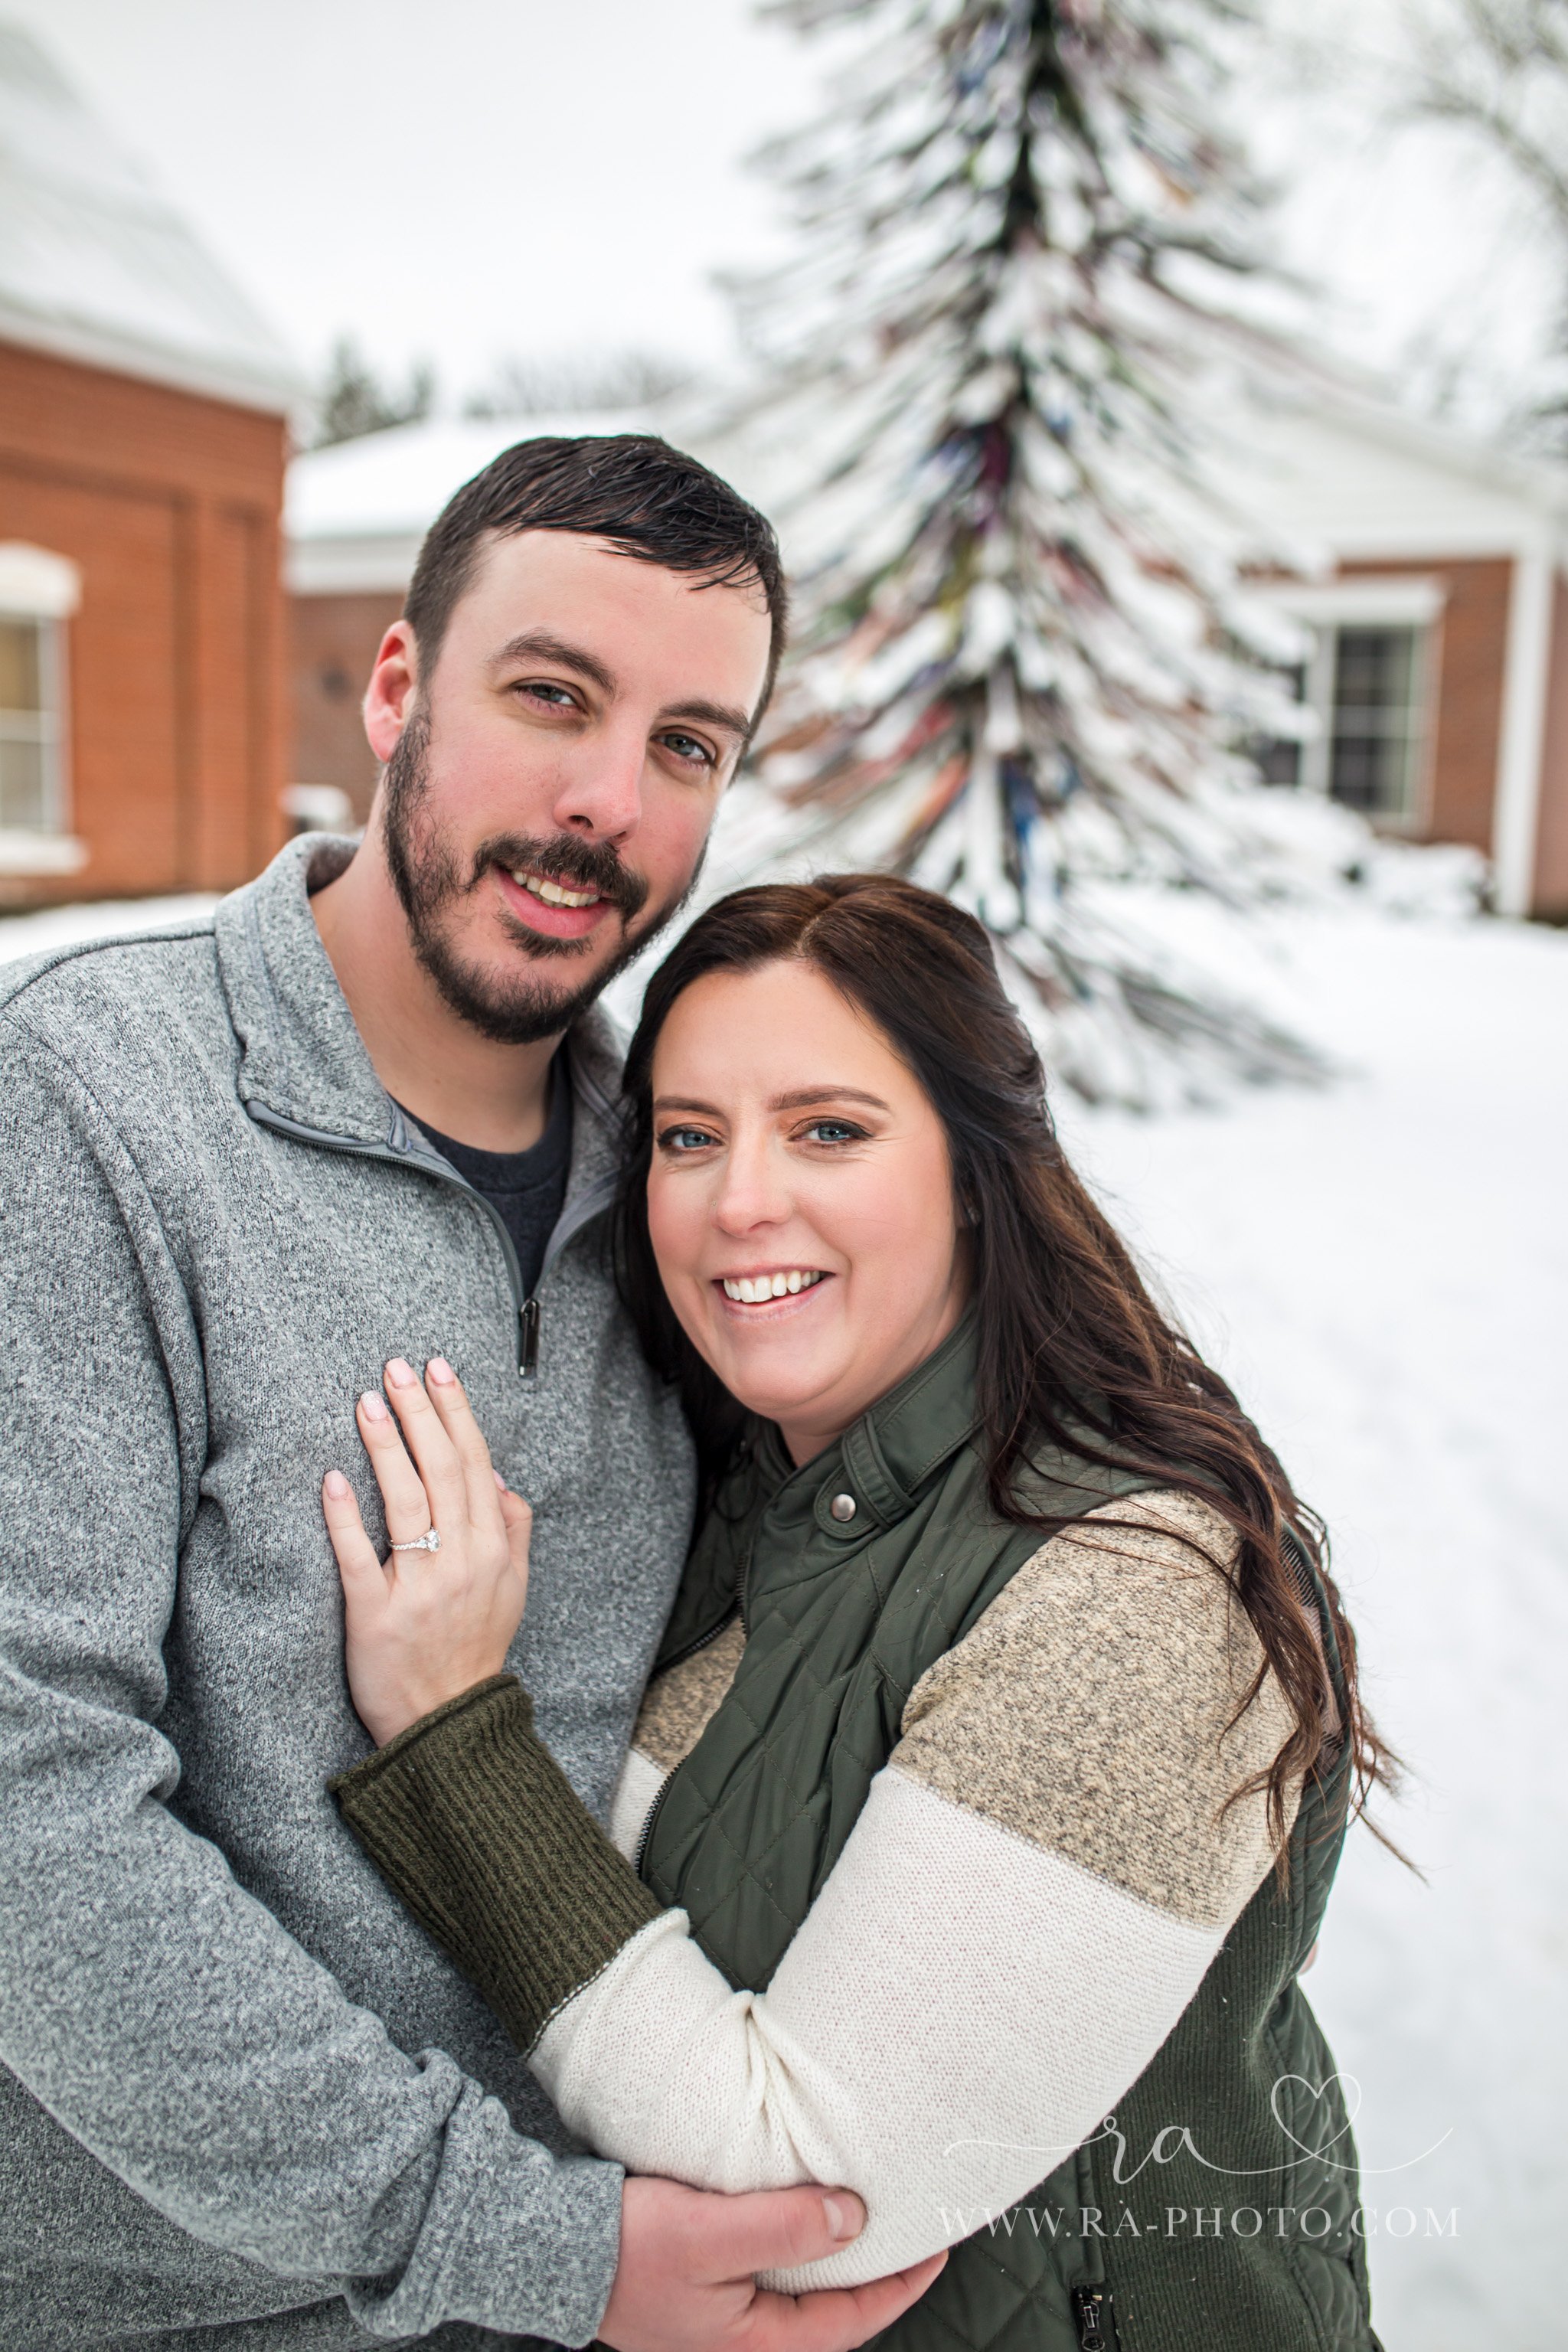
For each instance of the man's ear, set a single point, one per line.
(393, 681)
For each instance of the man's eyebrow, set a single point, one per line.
(801, 1099)
(539, 645)
(712, 714)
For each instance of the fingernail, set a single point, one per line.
(501, 1482)
(845, 2216)
(371, 1406)
(336, 1484)
(438, 1368)
(400, 1373)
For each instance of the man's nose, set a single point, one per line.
(602, 793)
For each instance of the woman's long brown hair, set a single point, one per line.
(1073, 1349)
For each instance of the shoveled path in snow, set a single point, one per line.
(1382, 1270)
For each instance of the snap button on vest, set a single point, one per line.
(842, 1507)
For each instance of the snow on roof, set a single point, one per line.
(354, 514)
(96, 265)
(1336, 468)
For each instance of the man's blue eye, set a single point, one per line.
(687, 747)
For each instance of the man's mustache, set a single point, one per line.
(576, 864)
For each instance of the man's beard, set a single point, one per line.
(517, 1008)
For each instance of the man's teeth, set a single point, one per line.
(552, 892)
(750, 1289)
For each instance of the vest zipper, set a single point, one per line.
(1091, 2309)
(703, 1641)
(653, 1814)
(1092, 2304)
(743, 1588)
(691, 1650)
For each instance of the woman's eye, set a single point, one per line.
(835, 1130)
(684, 1139)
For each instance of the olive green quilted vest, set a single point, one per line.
(1198, 2219)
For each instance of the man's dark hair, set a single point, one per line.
(632, 488)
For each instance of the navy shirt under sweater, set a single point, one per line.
(527, 1188)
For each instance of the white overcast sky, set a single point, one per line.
(463, 179)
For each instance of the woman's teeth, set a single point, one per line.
(553, 894)
(750, 1290)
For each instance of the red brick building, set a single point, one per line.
(143, 719)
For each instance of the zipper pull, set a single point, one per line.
(528, 1339)
(1091, 2306)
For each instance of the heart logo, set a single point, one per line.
(1350, 2093)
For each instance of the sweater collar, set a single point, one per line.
(302, 1058)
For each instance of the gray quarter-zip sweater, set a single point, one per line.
(244, 2102)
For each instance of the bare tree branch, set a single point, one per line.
(1498, 68)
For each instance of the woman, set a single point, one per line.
(1005, 1731)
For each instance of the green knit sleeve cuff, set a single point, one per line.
(473, 1825)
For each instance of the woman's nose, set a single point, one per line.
(751, 1192)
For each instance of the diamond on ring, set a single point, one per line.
(429, 1541)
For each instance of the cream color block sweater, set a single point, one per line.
(1025, 1907)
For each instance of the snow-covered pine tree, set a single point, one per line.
(1020, 669)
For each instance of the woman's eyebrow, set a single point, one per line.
(800, 1100)
(804, 1096)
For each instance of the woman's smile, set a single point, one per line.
(767, 1287)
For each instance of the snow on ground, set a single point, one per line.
(67, 926)
(1382, 1269)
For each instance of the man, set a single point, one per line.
(362, 1116)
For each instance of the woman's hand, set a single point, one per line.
(429, 1624)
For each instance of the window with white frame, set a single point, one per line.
(1366, 683)
(38, 592)
(29, 724)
